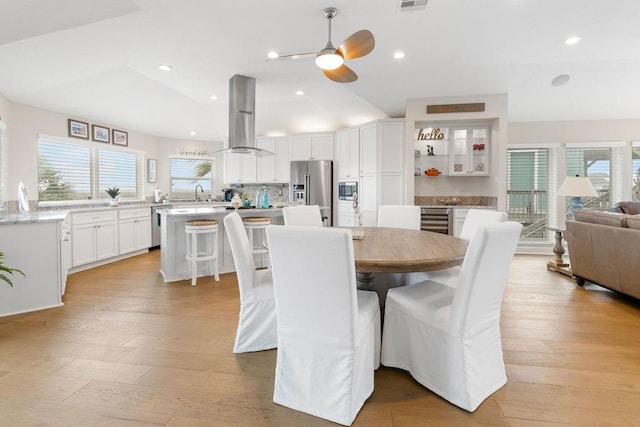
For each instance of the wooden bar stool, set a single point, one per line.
(208, 228)
(253, 225)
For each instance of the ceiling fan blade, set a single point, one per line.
(294, 56)
(342, 74)
(357, 45)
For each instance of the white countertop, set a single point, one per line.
(189, 210)
(32, 217)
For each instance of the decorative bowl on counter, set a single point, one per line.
(451, 202)
(432, 172)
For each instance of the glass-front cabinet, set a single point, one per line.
(469, 151)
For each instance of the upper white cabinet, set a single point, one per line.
(317, 146)
(348, 154)
(239, 168)
(469, 151)
(274, 168)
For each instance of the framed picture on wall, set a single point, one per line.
(100, 134)
(151, 170)
(78, 129)
(120, 137)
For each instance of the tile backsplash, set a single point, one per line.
(277, 192)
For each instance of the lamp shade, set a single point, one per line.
(577, 186)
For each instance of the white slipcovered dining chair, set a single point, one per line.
(399, 216)
(305, 216)
(328, 332)
(449, 338)
(257, 325)
(475, 219)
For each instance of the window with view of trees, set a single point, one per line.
(635, 173)
(187, 173)
(75, 172)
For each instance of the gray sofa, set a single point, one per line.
(604, 248)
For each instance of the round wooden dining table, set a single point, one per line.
(397, 250)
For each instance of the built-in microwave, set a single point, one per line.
(348, 190)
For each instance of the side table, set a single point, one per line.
(558, 264)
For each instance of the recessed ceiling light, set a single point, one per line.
(299, 93)
(214, 97)
(272, 55)
(572, 40)
(560, 80)
(165, 67)
(192, 133)
(398, 55)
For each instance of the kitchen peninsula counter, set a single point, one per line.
(173, 265)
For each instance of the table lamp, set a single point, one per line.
(576, 187)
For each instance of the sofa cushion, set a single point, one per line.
(629, 207)
(602, 218)
(633, 222)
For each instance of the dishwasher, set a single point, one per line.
(439, 220)
(155, 225)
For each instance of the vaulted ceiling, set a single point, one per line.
(97, 59)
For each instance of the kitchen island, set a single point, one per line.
(173, 265)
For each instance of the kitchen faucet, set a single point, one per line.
(201, 191)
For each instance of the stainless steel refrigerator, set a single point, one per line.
(312, 184)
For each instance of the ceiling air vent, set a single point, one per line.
(412, 5)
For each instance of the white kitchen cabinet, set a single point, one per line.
(65, 252)
(94, 237)
(381, 171)
(348, 156)
(35, 248)
(240, 168)
(347, 216)
(459, 215)
(134, 230)
(469, 151)
(368, 200)
(273, 168)
(369, 149)
(312, 146)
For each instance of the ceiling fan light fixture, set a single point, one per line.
(329, 61)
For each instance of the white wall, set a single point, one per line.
(175, 147)
(574, 131)
(496, 109)
(25, 122)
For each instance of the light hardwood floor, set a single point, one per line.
(129, 350)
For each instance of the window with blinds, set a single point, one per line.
(118, 169)
(187, 173)
(603, 167)
(528, 200)
(635, 171)
(75, 172)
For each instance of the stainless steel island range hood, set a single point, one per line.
(242, 119)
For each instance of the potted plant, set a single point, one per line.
(113, 193)
(4, 269)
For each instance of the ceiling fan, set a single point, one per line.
(331, 60)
